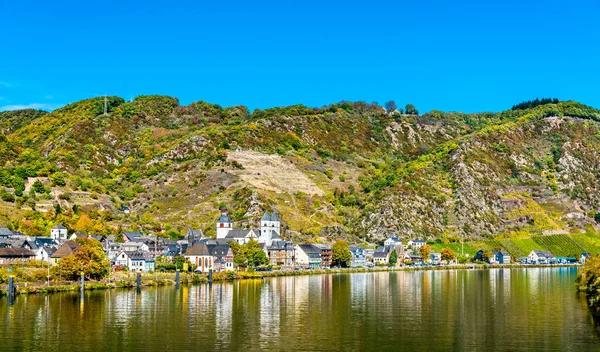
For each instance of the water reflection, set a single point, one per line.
(497, 310)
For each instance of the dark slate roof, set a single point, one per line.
(138, 255)
(59, 227)
(380, 255)
(49, 250)
(280, 245)
(99, 238)
(275, 236)
(66, 249)
(214, 241)
(274, 216)
(237, 234)
(16, 252)
(218, 250)
(195, 233)
(503, 252)
(4, 231)
(224, 218)
(544, 254)
(310, 248)
(44, 241)
(132, 235)
(198, 249)
(266, 217)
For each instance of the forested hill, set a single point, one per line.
(350, 169)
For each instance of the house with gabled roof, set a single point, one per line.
(502, 256)
(281, 253)
(308, 256)
(241, 236)
(541, 257)
(66, 249)
(131, 235)
(392, 241)
(15, 255)
(140, 262)
(5, 232)
(416, 244)
(359, 257)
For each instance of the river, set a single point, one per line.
(535, 309)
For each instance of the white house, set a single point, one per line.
(122, 259)
(416, 244)
(381, 258)
(359, 257)
(392, 241)
(135, 261)
(308, 256)
(58, 233)
(541, 257)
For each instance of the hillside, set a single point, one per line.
(347, 170)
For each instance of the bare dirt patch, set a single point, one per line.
(272, 173)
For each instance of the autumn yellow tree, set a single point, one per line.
(84, 224)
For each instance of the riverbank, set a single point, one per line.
(166, 279)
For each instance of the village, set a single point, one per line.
(137, 252)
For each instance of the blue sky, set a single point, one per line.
(446, 55)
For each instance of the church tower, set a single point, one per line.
(270, 228)
(223, 224)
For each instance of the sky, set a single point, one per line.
(457, 55)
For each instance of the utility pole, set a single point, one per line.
(105, 105)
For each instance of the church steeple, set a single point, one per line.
(224, 224)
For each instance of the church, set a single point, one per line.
(270, 229)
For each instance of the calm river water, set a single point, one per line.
(533, 309)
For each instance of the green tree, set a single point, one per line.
(38, 187)
(341, 253)
(393, 258)
(256, 256)
(448, 254)
(411, 109)
(597, 217)
(58, 179)
(424, 252)
(248, 255)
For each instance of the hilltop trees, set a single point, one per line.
(533, 103)
(411, 109)
(390, 106)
